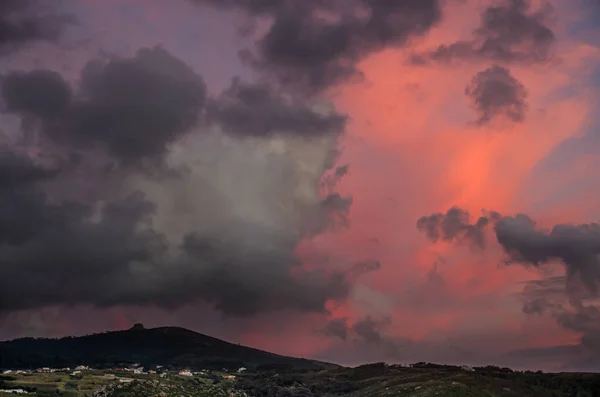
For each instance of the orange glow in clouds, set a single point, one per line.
(430, 156)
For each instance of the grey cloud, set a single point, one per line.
(27, 21)
(496, 93)
(17, 170)
(115, 256)
(131, 107)
(257, 110)
(337, 327)
(510, 31)
(311, 53)
(220, 224)
(454, 225)
(576, 246)
(41, 93)
(367, 330)
(136, 106)
(254, 6)
(574, 308)
(571, 300)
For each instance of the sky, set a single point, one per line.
(346, 180)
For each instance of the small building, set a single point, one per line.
(8, 371)
(241, 369)
(185, 372)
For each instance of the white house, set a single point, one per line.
(186, 372)
(241, 369)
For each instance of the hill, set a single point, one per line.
(421, 380)
(168, 346)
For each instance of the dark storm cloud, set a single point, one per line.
(256, 281)
(312, 45)
(40, 93)
(496, 93)
(367, 330)
(510, 31)
(71, 253)
(253, 6)
(454, 225)
(570, 299)
(576, 246)
(257, 110)
(26, 21)
(136, 106)
(574, 308)
(132, 107)
(223, 228)
(337, 327)
(366, 333)
(17, 170)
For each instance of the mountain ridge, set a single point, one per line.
(168, 346)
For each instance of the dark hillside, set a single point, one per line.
(168, 346)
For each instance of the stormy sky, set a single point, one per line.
(376, 180)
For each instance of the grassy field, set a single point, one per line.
(57, 384)
(107, 383)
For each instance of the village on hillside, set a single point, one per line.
(87, 381)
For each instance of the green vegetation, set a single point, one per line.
(423, 380)
(54, 384)
(373, 380)
(170, 387)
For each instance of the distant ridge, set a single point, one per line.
(173, 347)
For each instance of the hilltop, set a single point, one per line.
(168, 346)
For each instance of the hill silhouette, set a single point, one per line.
(168, 346)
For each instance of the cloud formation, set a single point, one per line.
(133, 107)
(239, 185)
(258, 110)
(138, 171)
(496, 93)
(25, 21)
(509, 31)
(317, 44)
(454, 225)
(570, 299)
